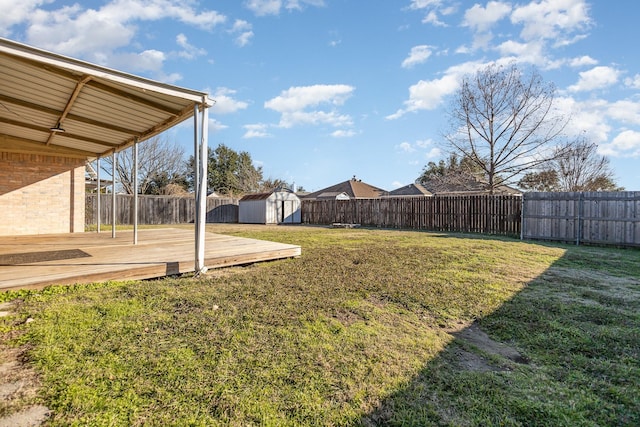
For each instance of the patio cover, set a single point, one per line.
(55, 105)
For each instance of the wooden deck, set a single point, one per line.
(38, 261)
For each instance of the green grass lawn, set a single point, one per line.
(367, 327)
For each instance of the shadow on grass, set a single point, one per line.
(564, 351)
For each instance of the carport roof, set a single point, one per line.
(53, 104)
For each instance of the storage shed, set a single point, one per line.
(276, 207)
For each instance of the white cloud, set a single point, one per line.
(396, 184)
(15, 12)
(300, 97)
(343, 133)
(482, 19)
(258, 130)
(418, 55)
(225, 104)
(424, 143)
(633, 82)
(293, 102)
(433, 19)
(626, 144)
(585, 118)
(435, 9)
(625, 111)
(582, 61)
(215, 125)
(551, 19)
(264, 7)
(596, 78)
(529, 52)
(74, 31)
(434, 153)
(297, 4)
(243, 31)
(422, 4)
(146, 61)
(273, 7)
(428, 95)
(406, 147)
(189, 51)
(244, 38)
(296, 118)
(105, 35)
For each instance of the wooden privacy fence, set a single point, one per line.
(603, 218)
(475, 214)
(159, 209)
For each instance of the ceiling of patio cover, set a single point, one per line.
(52, 104)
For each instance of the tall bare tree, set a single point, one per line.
(160, 162)
(576, 167)
(503, 120)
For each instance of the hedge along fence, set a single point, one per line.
(159, 209)
(602, 218)
(495, 214)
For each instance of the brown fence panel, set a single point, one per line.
(604, 218)
(159, 209)
(477, 214)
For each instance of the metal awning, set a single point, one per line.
(51, 104)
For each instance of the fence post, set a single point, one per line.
(579, 227)
(522, 215)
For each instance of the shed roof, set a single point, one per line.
(266, 195)
(256, 196)
(53, 104)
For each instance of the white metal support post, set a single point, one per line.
(201, 190)
(98, 194)
(113, 193)
(135, 192)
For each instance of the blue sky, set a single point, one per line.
(320, 90)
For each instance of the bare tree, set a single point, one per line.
(503, 120)
(576, 167)
(160, 163)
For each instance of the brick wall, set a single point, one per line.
(41, 194)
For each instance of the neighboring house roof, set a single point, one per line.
(333, 195)
(414, 189)
(354, 188)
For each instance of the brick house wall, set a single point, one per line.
(41, 194)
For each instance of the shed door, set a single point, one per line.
(290, 212)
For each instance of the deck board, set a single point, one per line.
(96, 257)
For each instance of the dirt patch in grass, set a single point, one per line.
(475, 351)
